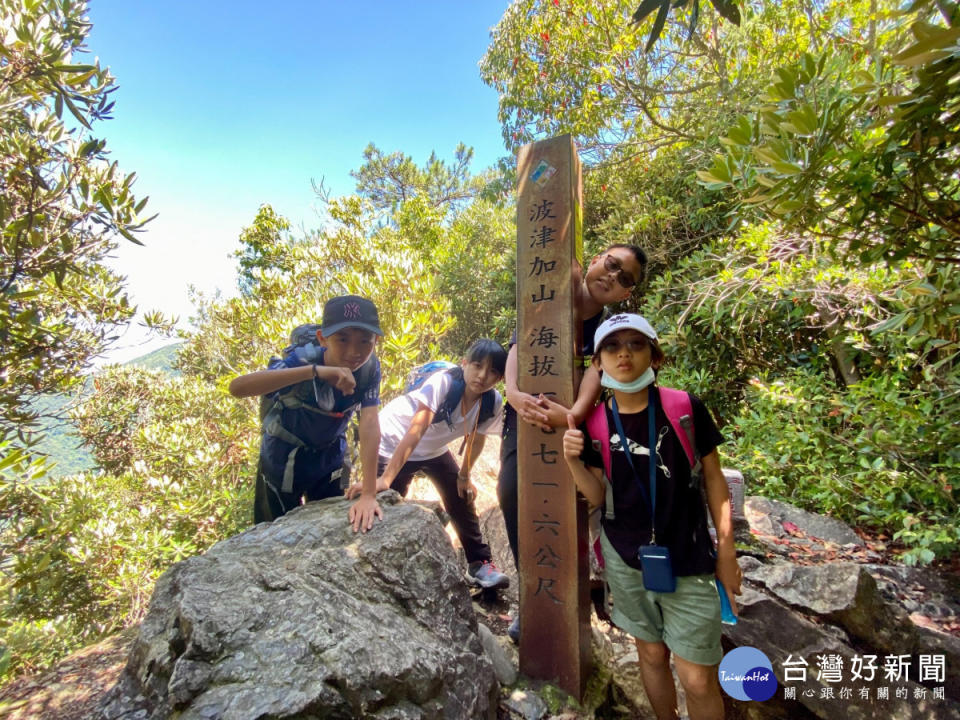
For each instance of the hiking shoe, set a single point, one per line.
(514, 630)
(486, 575)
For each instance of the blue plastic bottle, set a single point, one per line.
(726, 612)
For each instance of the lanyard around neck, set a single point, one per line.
(651, 496)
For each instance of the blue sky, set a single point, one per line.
(224, 106)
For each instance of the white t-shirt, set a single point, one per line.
(396, 417)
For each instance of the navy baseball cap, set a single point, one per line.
(350, 311)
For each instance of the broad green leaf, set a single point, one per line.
(766, 154)
(891, 323)
(787, 168)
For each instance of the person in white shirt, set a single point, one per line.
(416, 428)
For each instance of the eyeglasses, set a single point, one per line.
(612, 265)
(633, 345)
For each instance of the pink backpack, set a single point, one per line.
(679, 411)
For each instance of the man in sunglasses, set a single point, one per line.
(609, 278)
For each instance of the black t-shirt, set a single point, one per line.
(590, 326)
(681, 515)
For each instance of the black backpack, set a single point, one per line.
(303, 345)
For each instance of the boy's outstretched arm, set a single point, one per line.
(364, 510)
(262, 382)
(718, 502)
(589, 480)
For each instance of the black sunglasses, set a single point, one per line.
(611, 264)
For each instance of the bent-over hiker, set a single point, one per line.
(311, 393)
(456, 402)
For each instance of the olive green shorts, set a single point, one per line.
(686, 620)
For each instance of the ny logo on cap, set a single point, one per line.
(351, 311)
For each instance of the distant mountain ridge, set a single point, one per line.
(160, 359)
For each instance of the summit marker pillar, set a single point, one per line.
(553, 538)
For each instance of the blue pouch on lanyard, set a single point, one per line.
(657, 570)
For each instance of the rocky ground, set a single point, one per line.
(72, 689)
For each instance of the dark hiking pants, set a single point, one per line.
(270, 502)
(507, 488)
(443, 472)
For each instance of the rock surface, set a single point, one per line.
(802, 599)
(302, 618)
(772, 517)
(803, 606)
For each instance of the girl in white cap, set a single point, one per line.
(660, 560)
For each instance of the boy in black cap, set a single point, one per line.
(314, 391)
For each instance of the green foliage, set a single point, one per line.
(860, 148)
(391, 181)
(578, 67)
(726, 8)
(769, 303)
(475, 264)
(644, 121)
(56, 438)
(265, 244)
(82, 552)
(856, 145)
(655, 203)
(61, 203)
(163, 359)
(870, 456)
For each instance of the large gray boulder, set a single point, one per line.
(801, 604)
(783, 633)
(846, 594)
(302, 618)
(773, 517)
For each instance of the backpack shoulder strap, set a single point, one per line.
(454, 395)
(679, 411)
(599, 430)
(486, 406)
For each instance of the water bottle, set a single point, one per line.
(726, 612)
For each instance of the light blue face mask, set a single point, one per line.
(631, 387)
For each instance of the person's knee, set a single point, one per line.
(653, 654)
(699, 681)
